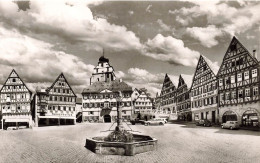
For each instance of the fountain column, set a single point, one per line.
(119, 120)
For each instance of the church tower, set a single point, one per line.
(103, 72)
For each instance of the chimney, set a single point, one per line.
(120, 80)
(255, 54)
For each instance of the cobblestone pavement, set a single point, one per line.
(176, 143)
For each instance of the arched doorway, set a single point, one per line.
(250, 119)
(107, 118)
(229, 116)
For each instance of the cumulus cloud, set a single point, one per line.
(171, 50)
(206, 35)
(164, 26)
(140, 78)
(221, 17)
(36, 61)
(71, 20)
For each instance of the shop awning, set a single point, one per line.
(17, 120)
(56, 117)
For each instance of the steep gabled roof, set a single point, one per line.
(233, 42)
(61, 75)
(113, 86)
(13, 71)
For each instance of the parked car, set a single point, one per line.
(203, 122)
(154, 122)
(162, 119)
(230, 124)
(136, 120)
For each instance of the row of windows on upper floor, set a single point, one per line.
(64, 108)
(241, 93)
(105, 96)
(62, 98)
(106, 104)
(168, 90)
(18, 107)
(202, 79)
(204, 102)
(144, 108)
(142, 98)
(60, 90)
(14, 87)
(183, 97)
(239, 77)
(204, 89)
(143, 103)
(168, 102)
(183, 106)
(15, 96)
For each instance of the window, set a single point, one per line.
(58, 107)
(246, 75)
(14, 80)
(232, 79)
(227, 96)
(254, 73)
(91, 113)
(234, 95)
(240, 93)
(255, 91)
(247, 92)
(239, 77)
(220, 82)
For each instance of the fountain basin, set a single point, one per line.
(140, 144)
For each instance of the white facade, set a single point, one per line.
(101, 104)
(143, 104)
(103, 72)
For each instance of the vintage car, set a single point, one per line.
(136, 121)
(230, 124)
(162, 119)
(203, 122)
(154, 122)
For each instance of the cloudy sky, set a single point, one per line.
(143, 40)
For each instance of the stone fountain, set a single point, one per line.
(120, 141)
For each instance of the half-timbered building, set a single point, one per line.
(183, 97)
(55, 105)
(168, 95)
(238, 79)
(204, 91)
(15, 102)
(143, 105)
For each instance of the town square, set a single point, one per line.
(129, 81)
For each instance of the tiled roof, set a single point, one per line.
(113, 86)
